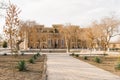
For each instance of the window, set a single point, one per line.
(62, 42)
(49, 43)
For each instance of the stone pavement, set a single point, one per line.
(65, 67)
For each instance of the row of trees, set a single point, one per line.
(99, 33)
(102, 32)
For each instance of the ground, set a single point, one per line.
(108, 63)
(65, 67)
(9, 71)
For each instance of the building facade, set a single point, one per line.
(44, 38)
(40, 37)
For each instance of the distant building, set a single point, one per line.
(114, 46)
(42, 37)
(46, 38)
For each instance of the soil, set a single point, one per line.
(9, 70)
(107, 63)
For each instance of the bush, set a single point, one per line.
(76, 55)
(85, 58)
(22, 53)
(31, 61)
(97, 60)
(117, 66)
(22, 65)
(72, 54)
(38, 54)
(4, 44)
(35, 56)
(5, 54)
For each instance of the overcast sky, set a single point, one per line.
(79, 12)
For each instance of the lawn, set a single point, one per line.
(107, 62)
(9, 70)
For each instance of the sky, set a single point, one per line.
(78, 12)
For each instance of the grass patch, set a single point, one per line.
(85, 58)
(117, 66)
(22, 65)
(97, 60)
(35, 56)
(31, 61)
(38, 54)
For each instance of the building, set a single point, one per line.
(42, 37)
(114, 46)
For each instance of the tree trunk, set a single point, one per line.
(67, 47)
(18, 44)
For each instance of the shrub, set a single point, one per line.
(5, 54)
(31, 61)
(72, 54)
(117, 66)
(85, 58)
(22, 65)
(35, 56)
(4, 44)
(22, 53)
(77, 55)
(97, 60)
(38, 54)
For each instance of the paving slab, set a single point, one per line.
(65, 67)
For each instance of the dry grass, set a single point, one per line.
(8, 70)
(108, 63)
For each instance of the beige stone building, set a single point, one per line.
(47, 38)
(42, 37)
(114, 46)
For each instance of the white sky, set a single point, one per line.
(78, 12)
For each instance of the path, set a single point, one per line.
(65, 67)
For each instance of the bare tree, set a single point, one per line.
(70, 34)
(102, 32)
(74, 33)
(12, 29)
(110, 28)
(12, 25)
(94, 35)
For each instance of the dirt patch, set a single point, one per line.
(107, 63)
(9, 71)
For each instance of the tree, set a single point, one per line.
(74, 34)
(12, 26)
(93, 35)
(70, 34)
(65, 32)
(31, 32)
(110, 29)
(101, 33)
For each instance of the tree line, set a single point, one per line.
(99, 33)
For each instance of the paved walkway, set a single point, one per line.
(64, 67)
